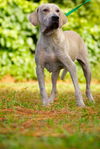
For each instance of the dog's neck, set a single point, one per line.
(54, 35)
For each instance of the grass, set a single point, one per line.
(26, 124)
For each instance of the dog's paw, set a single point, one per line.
(45, 103)
(50, 100)
(90, 97)
(92, 101)
(80, 103)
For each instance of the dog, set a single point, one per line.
(58, 49)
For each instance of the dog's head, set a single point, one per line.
(49, 17)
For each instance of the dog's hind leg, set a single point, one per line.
(87, 73)
(63, 74)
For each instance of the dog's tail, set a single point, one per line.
(63, 74)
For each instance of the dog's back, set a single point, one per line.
(76, 45)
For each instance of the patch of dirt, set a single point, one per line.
(7, 79)
(10, 79)
(26, 111)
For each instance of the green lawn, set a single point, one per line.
(26, 124)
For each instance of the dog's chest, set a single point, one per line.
(51, 62)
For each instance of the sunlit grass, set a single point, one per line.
(25, 123)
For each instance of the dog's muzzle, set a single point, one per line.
(55, 18)
(54, 23)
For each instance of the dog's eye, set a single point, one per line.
(57, 10)
(46, 10)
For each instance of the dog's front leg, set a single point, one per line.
(54, 81)
(40, 76)
(69, 64)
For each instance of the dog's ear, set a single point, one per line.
(63, 19)
(33, 18)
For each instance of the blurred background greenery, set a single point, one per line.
(18, 37)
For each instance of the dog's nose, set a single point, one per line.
(55, 18)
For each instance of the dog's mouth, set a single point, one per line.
(54, 25)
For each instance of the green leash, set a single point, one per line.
(68, 13)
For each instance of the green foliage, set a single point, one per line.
(16, 40)
(18, 37)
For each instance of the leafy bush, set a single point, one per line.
(18, 37)
(16, 40)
